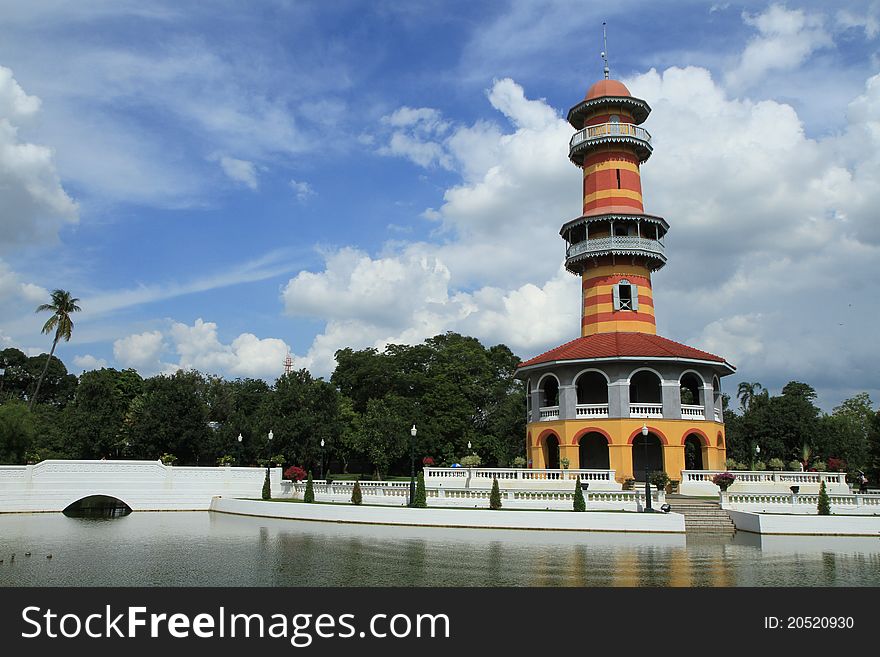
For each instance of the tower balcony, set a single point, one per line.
(618, 245)
(609, 133)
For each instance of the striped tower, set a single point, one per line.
(614, 246)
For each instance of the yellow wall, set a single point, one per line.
(620, 451)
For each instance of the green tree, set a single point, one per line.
(495, 495)
(61, 306)
(95, 422)
(579, 502)
(267, 487)
(356, 495)
(309, 495)
(824, 505)
(873, 470)
(421, 500)
(384, 431)
(16, 432)
(14, 381)
(746, 392)
(844, 433)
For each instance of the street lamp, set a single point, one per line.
(469, 445)
(269, 450)
(648, 507)
(239, 448)
(322, 458)
(412, 465)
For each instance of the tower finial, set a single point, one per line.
(605, 51)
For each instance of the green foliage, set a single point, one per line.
(819, 466)
(873, 467)
(168, 459)
(579, 502)
(16, 432)
(61, 306)
(421, 500)
(471, 461)
(226, 460)
(824, 505)
(629, 483)
(357, 496)
(495, 495)
(518, 462)
(776, 464)
(267, 487)
(309, 495)
(565, 462)
(760, 466)
(794, 466)
(659, 479)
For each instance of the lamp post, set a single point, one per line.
(469, 445)
(239, 448)
(648, 507)
(412, 465)
(269, 450)
(322, 458)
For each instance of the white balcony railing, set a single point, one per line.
(619, 244)
(692, 412)
(592, 410)
(646, 410)
(610, 131)
(550, 413)
(717, 416)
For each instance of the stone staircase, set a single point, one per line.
(701, 515)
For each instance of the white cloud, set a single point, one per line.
(14, 291)
(89, 362)
(869, 21)
(786, 38)
(241, 171)
(302, 189)
(34, 204)
(140, 351)
(198, 346)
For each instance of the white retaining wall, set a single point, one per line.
(866, 505)
(143, 485)
(699, 482)
(503, 519)
(396, 493)
(766, 523)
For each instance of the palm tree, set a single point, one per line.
(746, 392)
(62, 305)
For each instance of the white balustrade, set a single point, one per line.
(717, 416)
(621, 244)
(611, 129)
(646, 410)
(692, 412)
(520, 478)
(806, 504)
(549, 413)
(699, 482)
(591, 410)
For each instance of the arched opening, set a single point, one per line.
(717, 401)
(529, 402)
(592, 388)
(551, 452)
(593, 452)
(646, 449)
(97, 506)
(645, 388)
(693, 453)
(690, 389)
(549, 391)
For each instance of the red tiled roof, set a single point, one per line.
(611, 345)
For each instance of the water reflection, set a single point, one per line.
(169, 549)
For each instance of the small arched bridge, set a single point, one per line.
(142, 485)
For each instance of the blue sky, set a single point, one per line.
(223, 182)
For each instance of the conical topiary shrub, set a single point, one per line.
(824, 505)
(356, 495)
(309, 495)
(579, 503)
(495, 496)
(421, 500)
(267, 488)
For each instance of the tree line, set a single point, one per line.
(451, 387)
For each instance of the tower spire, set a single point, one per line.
(605, 51)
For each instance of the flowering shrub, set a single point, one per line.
(295, 473)
(837, 465)
(519, 462)
(723, 480)
(428, 461)
(168, 459)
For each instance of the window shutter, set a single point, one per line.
(634, 291)
(616, 291)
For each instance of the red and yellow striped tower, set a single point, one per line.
(614, 246)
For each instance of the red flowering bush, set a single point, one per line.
(295, 473)
(837, 465)
(427, 461)
(723, 480)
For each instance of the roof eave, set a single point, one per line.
(723, 365)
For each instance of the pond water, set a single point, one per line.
(211, 549)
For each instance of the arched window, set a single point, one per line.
(592, 388)
(550, 391)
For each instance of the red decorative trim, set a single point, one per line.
(653, 430)
(619, 316)
(706, 442)
(611, 279)
(544, 434)
(583, 432)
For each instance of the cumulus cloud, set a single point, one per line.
(34, 204)
(89, 362)
(785, 39)
(241, 171)
(198, 346)
(13, 289)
